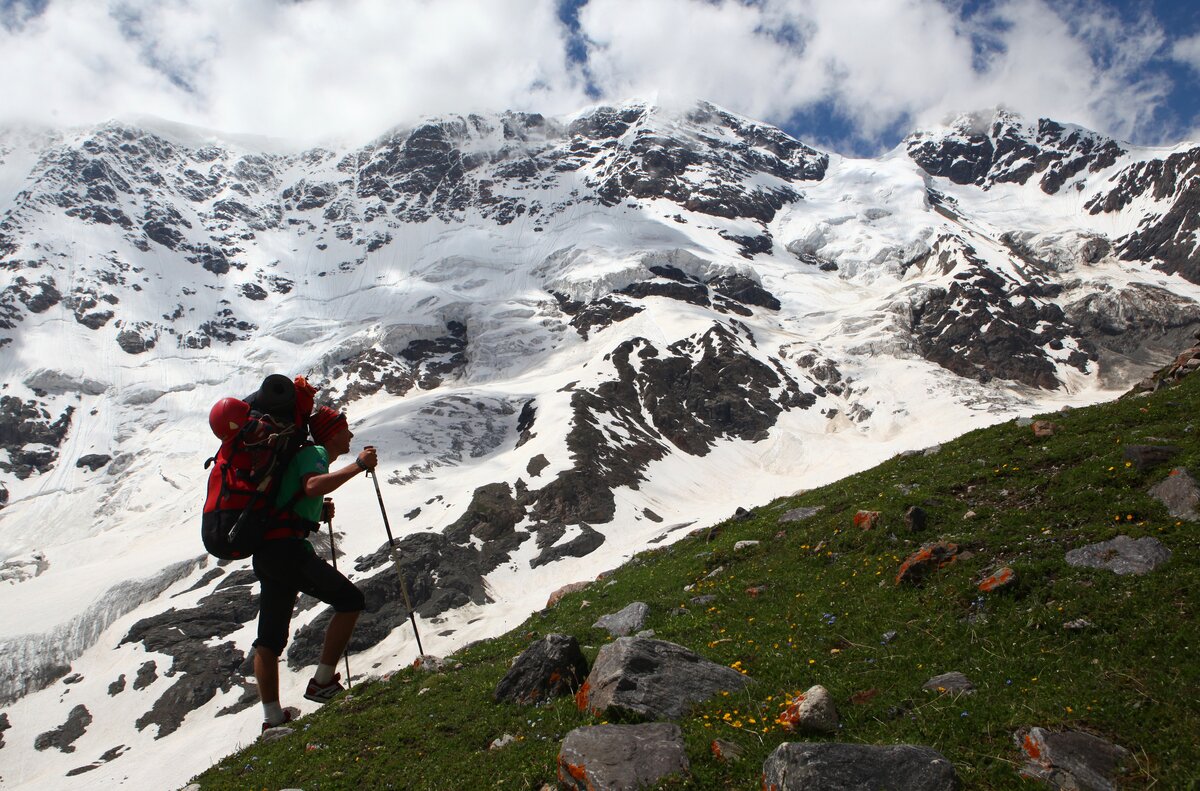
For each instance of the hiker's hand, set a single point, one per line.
(327, 510)
(367, 458)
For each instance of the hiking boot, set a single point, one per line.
(323, 694)
(289, 713)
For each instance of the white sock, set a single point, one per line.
(324, 674)
(273, 713)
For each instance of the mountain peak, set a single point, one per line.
(990, 147)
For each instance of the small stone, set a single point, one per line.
(564, 590)
(970, 515)
(1044, 428)
(800, 514)
(932, 450)
(926, 560)
(1077, 625)
(889, 636)
(954, 683)
(812, 712)
(756, 591)
(744, 545)
(866, 520)
(1024, 422)
(276, 733)
(1180, 494)
(502, 742)
(707, 598)
(915, 519)
(625, 622)
(997, 580)
(864, 696)
(430, 663)
(726, 751)
(1145, 456)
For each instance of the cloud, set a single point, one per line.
(883, 62)
(1187, 51)
(292, 69)
(356, 67)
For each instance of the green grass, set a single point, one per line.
(1132, 678)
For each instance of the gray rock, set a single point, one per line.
(629, 620)
(502, 742)
(1071, 760)
(1122, 555)
(654, 679)
(1180, 494)
(621, 757)
(4, 725)
(700, 601)
(933, 450)
(800, 514)
(724, 750)
(276, 733)
(740, 545)
(954, 683)
(812, 712)
(1146, 456)
(147, 674)
(551, 667)
(852, 767)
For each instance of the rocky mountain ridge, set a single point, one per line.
(568, 334)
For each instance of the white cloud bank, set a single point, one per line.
(323, 67)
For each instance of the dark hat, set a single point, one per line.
(326, 422)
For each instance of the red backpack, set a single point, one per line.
(259, 437)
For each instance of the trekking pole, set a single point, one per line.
(396, 561)
(333, 557)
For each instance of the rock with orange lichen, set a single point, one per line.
(929, 558)
(811, 712)
(551, 667)
(621, 757)
(1071, 759)
(653, 679)
(867, 520)
(998, 580)
(952, 683)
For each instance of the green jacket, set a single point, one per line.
(311, 460)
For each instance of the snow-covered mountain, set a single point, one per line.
(570, 338)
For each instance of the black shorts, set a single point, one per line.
(286, 567)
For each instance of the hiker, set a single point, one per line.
(286, 564)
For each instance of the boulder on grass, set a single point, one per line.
(840, 767)
(627, 621)
(1180, 494)
(1071, 759)
(621, 757)
(929, 558)
(653, 679)
(812, 712)
(1121, 555)
(551, 667)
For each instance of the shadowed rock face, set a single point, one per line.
(1009, 151)
(202, 669)
(986, 326)
(64, 736)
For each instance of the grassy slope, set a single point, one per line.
(1132, 678)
